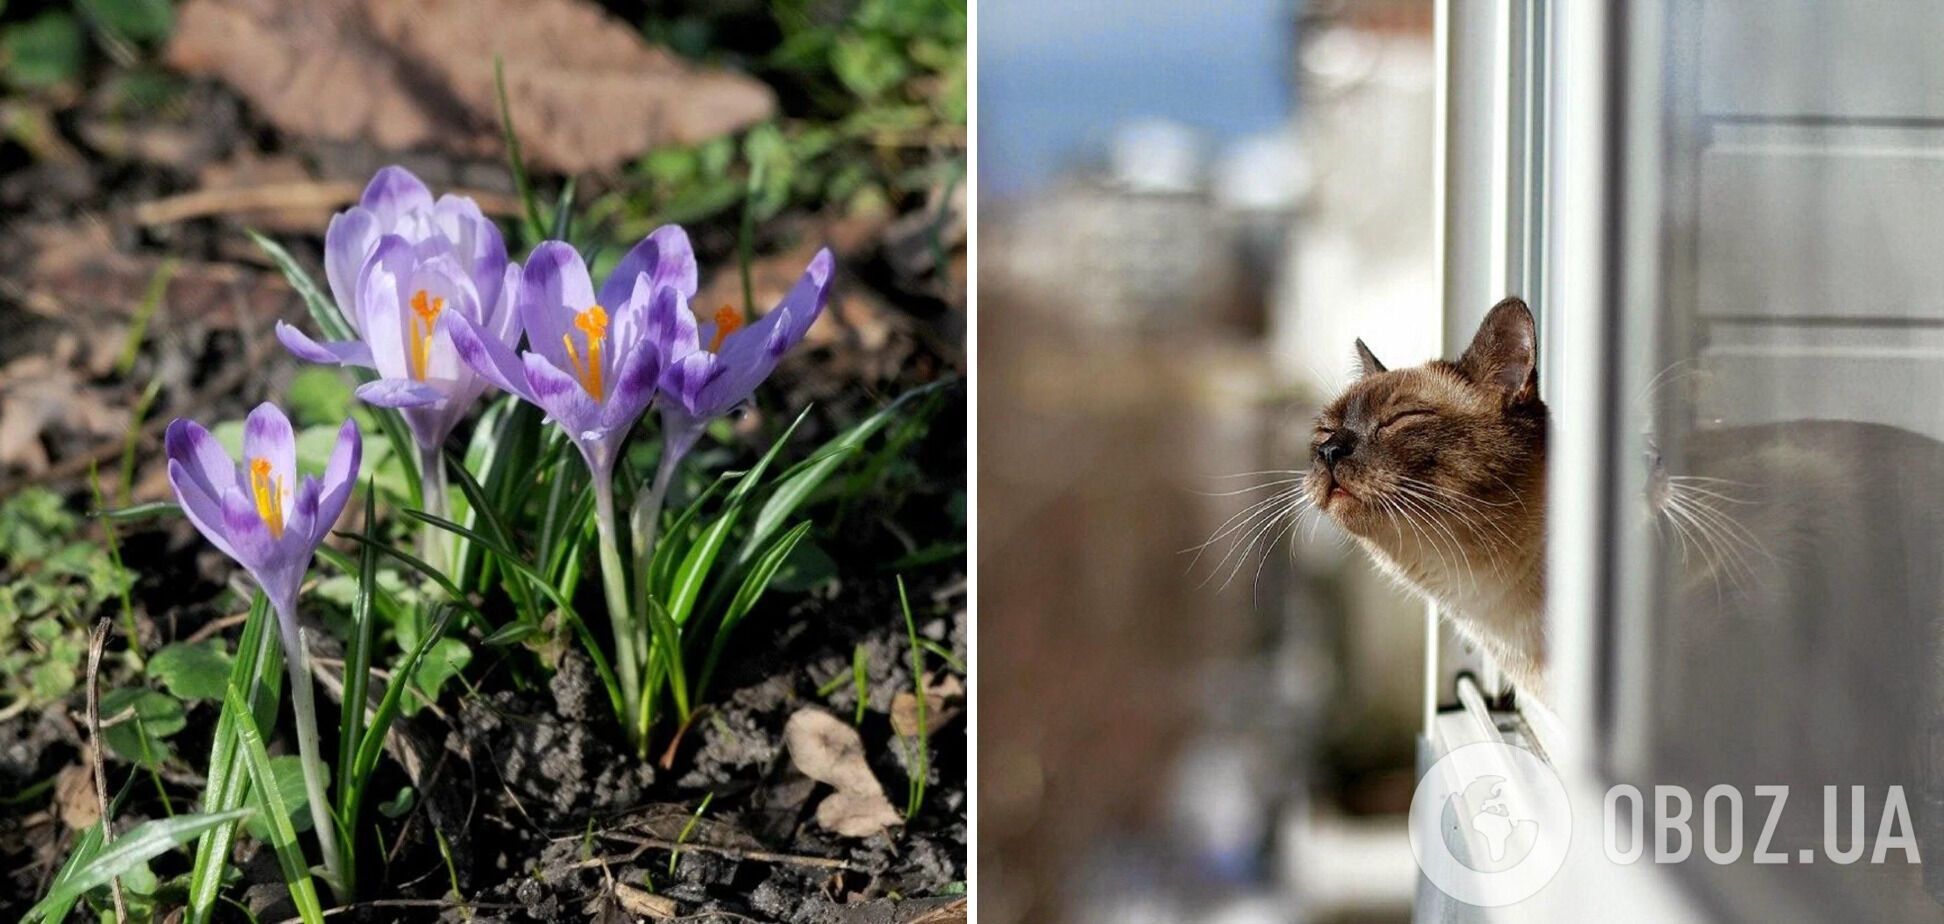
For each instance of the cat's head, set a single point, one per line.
(1445, 446)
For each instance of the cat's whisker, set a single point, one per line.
(1270, 511)
(1255, 536)
(1252, 488)
(1229, 525)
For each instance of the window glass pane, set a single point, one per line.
(1784, 397)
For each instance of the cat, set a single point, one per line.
(1439, 472)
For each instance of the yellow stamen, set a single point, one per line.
(269, 496)
(425, 317)
(592, 323)
(728, 320)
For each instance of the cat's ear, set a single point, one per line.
(1504, 354)
(1367, 362)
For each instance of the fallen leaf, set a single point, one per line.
(953, 913)
(40, 394)
(939, 694)
(74, 796)
(586, 91)
(639, 901)
(827, 750)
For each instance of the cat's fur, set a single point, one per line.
(1439, 471)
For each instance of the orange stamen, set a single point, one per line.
(592, 324)
(727, 320)
(425, 317)
(269, 493)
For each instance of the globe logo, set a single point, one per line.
(1480, 812)
(1490, 824)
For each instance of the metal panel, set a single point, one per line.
(1811, 58)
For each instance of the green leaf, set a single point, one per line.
(318, 396)
(443, 661)
(870, 65)
(141, 844)
(135, 20)
(192, 671)
(398, 805)
(267, 793)
(43, 52)
(258, 668)
(288, 771)
(807, 568)
(140, 720)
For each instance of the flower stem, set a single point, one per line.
(647, 516)
(614, 580)
(432, 482)
(304, 706)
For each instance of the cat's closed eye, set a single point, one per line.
(1415, 413)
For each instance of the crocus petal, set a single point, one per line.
(553, 289)
(685, 379)
(339, 353)
(399, 393)
(441, 277)
(347, 242)
(671, 325)
(248, 535)
(477, 242)
(393, 191)
(807, 298)
(664, 256)
(301, 533)
(340, 476)
(563, 398)
(502, 318)
(205, 460)
(494, 360)
(267, 436)
(637, 372)
(384, 302)
(203, 509)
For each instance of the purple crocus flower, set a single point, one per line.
(593, 360)
(398, 262)
(260, 513)
(705, 383)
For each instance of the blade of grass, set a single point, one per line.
(860, 681)
(357, 676)
(675, 855)
(752, 588)
(921, 759)
(127, 580)
(796, 484)
(275, 811)
(258, 667)
(151, 299)
(522, 184)
(388, 707)
(141, 844)
(139, 512)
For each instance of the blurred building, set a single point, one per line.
(1164, 297)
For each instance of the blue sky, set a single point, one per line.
(1056, 76)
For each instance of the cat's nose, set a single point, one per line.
(1339, 445)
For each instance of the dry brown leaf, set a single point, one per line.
(638, 901)
(586, 91)
(825, 749)
(74, 796)
(40, 393)
(939, 695)
(953, 913)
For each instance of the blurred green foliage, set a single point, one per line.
(45, 46)
(874, 110)
(51, 583)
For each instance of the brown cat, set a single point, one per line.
(1439, 471)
